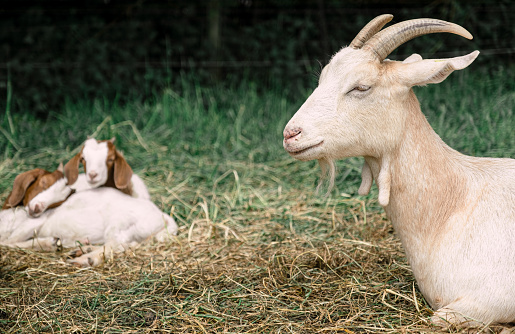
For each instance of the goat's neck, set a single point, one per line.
(421, 182)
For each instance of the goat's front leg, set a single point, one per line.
(92, 256)
(450, 316)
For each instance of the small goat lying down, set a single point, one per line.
(454, 214)
(104, 165)
(103, 216)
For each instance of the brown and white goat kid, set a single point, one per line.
(30, 185)
(39, 190)
(454, 214)
(103, 220)
(104, 165)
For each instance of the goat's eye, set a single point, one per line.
(361, 88)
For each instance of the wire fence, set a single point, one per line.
(230, 63)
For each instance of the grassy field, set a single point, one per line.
(258, 249)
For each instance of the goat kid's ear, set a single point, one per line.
(417, 72)
(21, 183)
(60, 168)
(71, 169)
(112, 139)
(122, 171)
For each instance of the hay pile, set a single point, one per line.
(257, 252)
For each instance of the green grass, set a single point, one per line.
(258, 250)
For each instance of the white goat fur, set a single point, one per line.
(96, 157)
(454, 214)
(96, 216)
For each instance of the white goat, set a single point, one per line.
(103, 216)
(454, 214)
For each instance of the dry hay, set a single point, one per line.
(251, 257)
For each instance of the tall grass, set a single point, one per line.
(472, 111)
(258, 249)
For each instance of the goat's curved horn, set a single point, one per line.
(370, 30)
(384, 42)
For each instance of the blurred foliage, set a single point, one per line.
(129, 50)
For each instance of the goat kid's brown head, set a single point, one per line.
(102, 163)
(29, 184)
(363, 100)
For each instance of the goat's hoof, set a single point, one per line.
(447, 318)
(58, 245)
(78, 264)
(75, 253)
(79, 252)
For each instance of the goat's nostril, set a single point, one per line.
(290, 133)
(92, 175)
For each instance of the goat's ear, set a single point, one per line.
(21, 183)
(422, 72)
(71, 169)
(112, 139)
(412, 59)
(122, 171)
(60, 168)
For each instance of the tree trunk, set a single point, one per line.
(214, 35)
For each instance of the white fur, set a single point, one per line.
(96, 216)
(454, 214)
(95, 155)
(139, 189)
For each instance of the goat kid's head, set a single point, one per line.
(102, 164)
(363, 100)
(38, 190)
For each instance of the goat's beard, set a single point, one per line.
(328, 173)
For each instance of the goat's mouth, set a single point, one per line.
(297, 151)
(95, 183)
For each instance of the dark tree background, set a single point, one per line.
(54, 50)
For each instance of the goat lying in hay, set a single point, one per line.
(104, 216)
(454, 214)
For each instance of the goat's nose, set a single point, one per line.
(289, 134)
(36, 210)
(92, 175)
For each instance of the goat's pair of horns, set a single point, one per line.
(382, 43)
